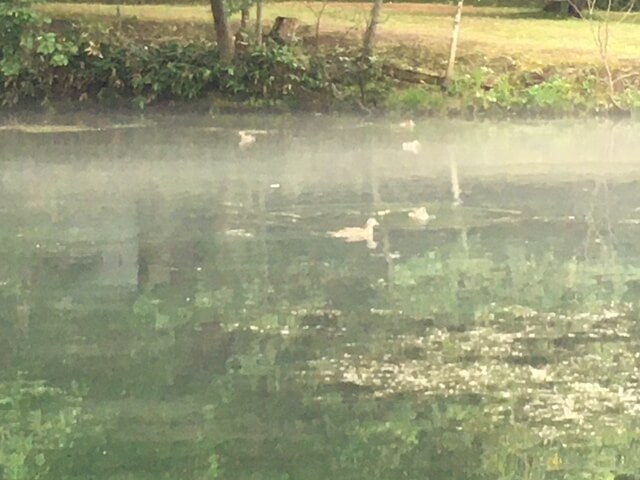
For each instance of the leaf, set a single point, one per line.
(47, 44)
(10, 67)
(203, 299)
(27, 42)
(59, 60)
(163, 321)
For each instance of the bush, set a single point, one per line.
(166, 71)
(39, 423)
(428, 99)
(26, 42)
(555, 94)
(273, 71)
(39, 65)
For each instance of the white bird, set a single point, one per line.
(412, 147)
(407, 125)
(246, 139)
(419, 215)
(358, 234)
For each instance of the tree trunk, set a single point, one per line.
(259, 22)
(244, 18)
(223, 35)
(284, 30)
(454, 44)
(370, 33)
(318, 20)
(576, 7)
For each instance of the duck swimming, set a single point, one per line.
(419, 215)
(412, 147)
(246, 139)
(358, 234)
(407, 125)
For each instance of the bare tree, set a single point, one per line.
(259, 22)
(317, 12)
(370, 32)
(223, 34)
(600, 30)
(454, 44)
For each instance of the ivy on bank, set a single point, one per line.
(172, 71)
(38, 65)
(26, 44)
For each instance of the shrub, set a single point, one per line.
(555, 94)
(27, 48)
(428, 98)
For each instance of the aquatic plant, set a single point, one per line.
(37, 422)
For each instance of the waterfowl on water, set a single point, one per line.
(419, 215)
(412, 147)
(358, 234)
(246, 139)
(408, 125)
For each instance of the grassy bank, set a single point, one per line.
(490, 31)
(511, 61)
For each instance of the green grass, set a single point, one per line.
(492, 32)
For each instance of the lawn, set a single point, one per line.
(519, 33)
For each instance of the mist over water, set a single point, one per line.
(172, 304)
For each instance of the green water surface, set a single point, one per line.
(172, 307)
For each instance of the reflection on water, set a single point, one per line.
(172, 305)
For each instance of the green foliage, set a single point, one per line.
(427, 99)
(169, 71)
(214, 468)
(556, 93)
(470, 82)
(481, 90)
(469, 89)
(467, 286)
(273, 71)
(234, 6)
(35, 420)
(630, 99)
(26, 46)
(16, 21)
(584, 93)
(504, 94)
(39, 65)
(364, 75)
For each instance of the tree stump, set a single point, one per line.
(283, 30)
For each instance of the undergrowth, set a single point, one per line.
(38, 65)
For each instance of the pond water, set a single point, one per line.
(172, 306)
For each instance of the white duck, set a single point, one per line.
(246, 139)
(358, 234)
(407, 125)
(412, 147)
(419, 215)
